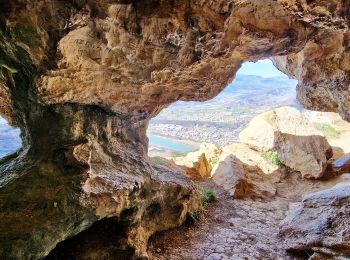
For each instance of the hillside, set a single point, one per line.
(220, 120)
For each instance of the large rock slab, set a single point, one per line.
(252, 157)
(242, 180)
(297, 143)
(320, 223)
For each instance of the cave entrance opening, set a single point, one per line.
(10, 139)
(183, 126)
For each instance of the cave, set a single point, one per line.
(82, 79)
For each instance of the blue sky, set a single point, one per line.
(262, 68)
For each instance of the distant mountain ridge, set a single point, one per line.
(250, 91)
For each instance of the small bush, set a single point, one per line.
(207, 196)
(272, 157)
(328, 130)
(193, 217)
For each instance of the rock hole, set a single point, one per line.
(103, 240)
(10, 140)
(183, 126)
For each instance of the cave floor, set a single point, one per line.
(236, 229)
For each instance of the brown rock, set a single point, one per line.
(83, 78)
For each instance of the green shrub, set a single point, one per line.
(207, 196)
(193, 217)
(328, 130)
(215, 160)
(272, 157)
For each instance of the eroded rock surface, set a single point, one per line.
(199, 164)
(297, 143)
(320, 223)
(242, 180)
(83, 78)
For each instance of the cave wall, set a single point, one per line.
(82, 78)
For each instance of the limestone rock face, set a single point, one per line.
(298, 144)
(199, 164)
(320, 223)
(251, 157)
(82, 79)
(242, 180)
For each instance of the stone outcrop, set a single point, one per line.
(252, 157)
(320, 224)
(244, 180)
(83, 78)
(297, 143)
(199, 164)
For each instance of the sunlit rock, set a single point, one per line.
(252, 157)
(297, 143)
(199, 164)
(243, 180)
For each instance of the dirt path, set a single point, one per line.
(235, 229)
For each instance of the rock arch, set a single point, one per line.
(83, 78)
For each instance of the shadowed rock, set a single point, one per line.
(320, 223)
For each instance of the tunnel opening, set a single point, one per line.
(253, 185)
(10, 140)
(183, 126)
(105, 239)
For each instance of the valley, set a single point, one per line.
(220, 120)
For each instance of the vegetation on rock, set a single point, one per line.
(207, 196)
(272, 157)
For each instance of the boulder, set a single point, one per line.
(199, 164)
(297, 143)
(252, 157)
(242, 180)
(320, 223)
